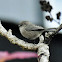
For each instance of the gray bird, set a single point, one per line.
(30, 31)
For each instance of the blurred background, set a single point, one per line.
(18, 10)
(12, 12)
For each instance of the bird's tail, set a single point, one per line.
(50, 29)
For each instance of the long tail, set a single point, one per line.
(50, 29)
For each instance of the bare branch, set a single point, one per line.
(13, 39)
(43, 49)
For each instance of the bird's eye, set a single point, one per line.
(20, 25)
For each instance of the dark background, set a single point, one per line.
(55, 45)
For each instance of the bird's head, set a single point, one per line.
(24, 23)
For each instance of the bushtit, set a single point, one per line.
(30, 31)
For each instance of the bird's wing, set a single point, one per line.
(34, 28)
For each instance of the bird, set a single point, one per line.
(30, 31)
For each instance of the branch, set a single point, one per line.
(49, 35)
(14, 40)
(43, 53)
(43, 49)
(57, 30)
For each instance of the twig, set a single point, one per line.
(53, 18)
